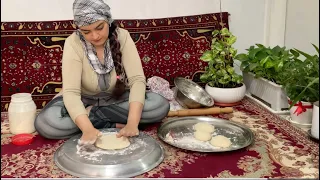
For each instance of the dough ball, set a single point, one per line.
(204, 127)
(111, 142)
(202, 136)
(220, 141)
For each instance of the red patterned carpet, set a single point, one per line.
(279, 151)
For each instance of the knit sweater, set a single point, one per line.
(79, 78)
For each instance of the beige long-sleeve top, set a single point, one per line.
(78, 77)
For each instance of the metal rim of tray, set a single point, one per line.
(195, 84)
(205, 119)
(144, 170)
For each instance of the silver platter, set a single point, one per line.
(143, 154)
(178, 132)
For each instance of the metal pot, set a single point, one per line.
(190, 95)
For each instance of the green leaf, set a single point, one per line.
(230, 70)
(317, 49)
(226, 77)
(204, 77)
(263, 61)
(261, 54)
(244, 66)
(253, 53)
(298, 98)
(280, 65)
(206, 56)
(294, 53)
(276, 50)
(225, 32)
(253, 66)
(242, 57)
(213, 40)
(219, 60)
(215, 33)
(218, 46)
(261, 46)
(269, 64)
(304, 54)
(231, 40)
(268, 51)
(233, 52)
(223, 81)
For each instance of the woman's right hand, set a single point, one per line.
(90, 136)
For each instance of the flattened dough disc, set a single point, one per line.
(204, 127)
(111, 142)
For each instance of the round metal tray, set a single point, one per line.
(178, 132)
(143, 154)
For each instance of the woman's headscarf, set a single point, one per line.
(87, 12)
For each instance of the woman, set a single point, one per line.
(99, 61)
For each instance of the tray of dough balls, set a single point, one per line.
(205, 134)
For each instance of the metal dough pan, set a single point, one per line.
(143, 154)
(178, 132)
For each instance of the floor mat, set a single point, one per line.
(280, 150)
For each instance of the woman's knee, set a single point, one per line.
(156, 108)
(41, 126)
(50, 124)
(154, 101)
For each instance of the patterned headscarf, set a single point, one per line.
(85, 13)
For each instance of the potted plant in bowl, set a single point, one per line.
(261, 67)
(301, 83)
(222, 82)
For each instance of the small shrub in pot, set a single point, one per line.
(222, 80)
(300, 80)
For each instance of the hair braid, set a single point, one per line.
(120, 86)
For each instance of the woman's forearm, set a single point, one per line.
(83, 122)
(135, 110)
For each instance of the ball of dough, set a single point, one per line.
(202, 136)
(220, 141)
(204, 127)
(111, 142)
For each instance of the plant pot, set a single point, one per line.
(301, 113)
(315, 120)
(226, 95)
(267, 92)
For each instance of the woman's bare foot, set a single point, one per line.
(118, 125)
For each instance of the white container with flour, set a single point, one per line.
(22, 113)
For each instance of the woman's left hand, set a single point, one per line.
(128, 131)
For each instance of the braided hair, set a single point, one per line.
(120, 86)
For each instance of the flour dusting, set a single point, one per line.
(188, 141)
(95, 154)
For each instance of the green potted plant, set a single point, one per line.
(261, 67)
(300, 80)
(222, 82)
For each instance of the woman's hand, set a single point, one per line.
(129, 131)
(90, 136)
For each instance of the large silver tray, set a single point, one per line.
(143, 154)
(178, 132)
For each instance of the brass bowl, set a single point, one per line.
(190, 95)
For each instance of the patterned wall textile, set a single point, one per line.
(31, 51)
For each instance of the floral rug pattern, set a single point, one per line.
(280, 150)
